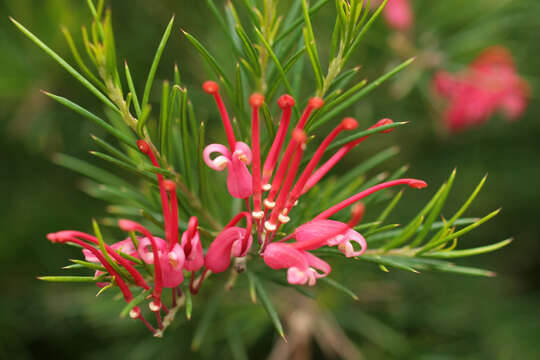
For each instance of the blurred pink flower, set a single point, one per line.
(489, 84)
(398, 14)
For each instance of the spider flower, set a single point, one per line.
(235, 158)
(231, 241)
(489, 84)
(398, 14)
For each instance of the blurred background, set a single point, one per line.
(399, 315)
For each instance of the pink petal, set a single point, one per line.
(242, 150)
(282, 256)
(239, 180)
(319, 232)
(145, 249)
(193, 251)
(220, 162)
(172, 267)
(316, 263)
(218, 256)
(348, 249)
(295, 276)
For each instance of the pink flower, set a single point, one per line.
(398, 14)
(236, 158)
(333, 234)
(191, 243)
(302, 267)
(489, 84)
(231, 241)
(239, 181)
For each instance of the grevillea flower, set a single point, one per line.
(398, 14)
(231, 241)
(321, 232)
(489, 84)
(191, 243)
(302, 267)
(235, 158)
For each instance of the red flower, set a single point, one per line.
(489, 84)
(398, 14)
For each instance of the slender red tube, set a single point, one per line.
(300, 139)
(139, 280)
(170, 187)
(211, 87)
(256, 101)
(285, 102)
(346, 124)
(329, 164)
(145, 149)
(128, 225)
(414, 183)
(119, 281)
(313, 103)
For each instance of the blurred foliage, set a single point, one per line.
(405, 316)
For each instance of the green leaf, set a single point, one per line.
(436, 242)
(164, 123)
(468, 252)
(274, 58)
(407, 233)
(79, 60)
(95, 119)
(299, 21)
(153, 67)
(366, 90)
(267, 303)
(469, 201)
(65, 65)
(131, 88)
(86, 169)
(365, 28)
(134, 302)
(434, 214)
(388, 261)
(210, 60)
(340, 287)
(384, 214)
(85, 279)
(86, 264)
(206, 320)
(189, 302)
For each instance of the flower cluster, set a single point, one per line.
(270, 189)
(281, 183)
(489, 84)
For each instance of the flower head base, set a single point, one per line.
(489, 84)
